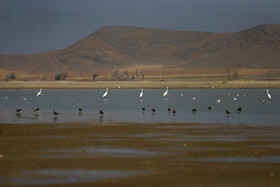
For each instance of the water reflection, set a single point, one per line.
(61, 176)
(55, 118)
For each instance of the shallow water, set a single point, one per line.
(59, 176)
(124, 105)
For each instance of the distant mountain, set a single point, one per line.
(120, 47)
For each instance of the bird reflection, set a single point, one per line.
(55, 118)
(18, 115)
(101, 118)
(36, 114)
(80, 111)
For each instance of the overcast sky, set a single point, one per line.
(28, 26)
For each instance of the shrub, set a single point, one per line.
(61, 76)
(12, 76)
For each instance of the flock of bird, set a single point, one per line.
(194, 110)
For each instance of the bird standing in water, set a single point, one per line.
(55, 113)
(227, 112)
(101, 112)
(141, 94)
(36, 110)
(105, 94)
(166, 92)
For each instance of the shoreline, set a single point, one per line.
(139, 84)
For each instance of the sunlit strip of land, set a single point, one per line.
(137, 84)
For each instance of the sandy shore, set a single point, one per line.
(113, 154)
(137, 84)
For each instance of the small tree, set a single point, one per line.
(11, 76)
(61, 76)
(94, 76)
(235, 75)
(136, 74)
(228, 74)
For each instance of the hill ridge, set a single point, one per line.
(117, 47)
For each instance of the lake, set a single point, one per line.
(124, 105)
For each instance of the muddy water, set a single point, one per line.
(106, 154)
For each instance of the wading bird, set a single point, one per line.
(36, 110)
(194, 110)
(239, 109)
(166, 92)
(55, 113)
(227, 112)
(39, 93)
(268, 94)
(19, 110)
(101, 112)
(105, 94)
(209, 108)
(141, 94)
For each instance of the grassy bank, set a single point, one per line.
(137, 84)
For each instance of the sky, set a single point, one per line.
(30, 26)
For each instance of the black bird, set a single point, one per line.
(36, 110)
(80, 110)
(153, 110)
(227, 112)
(194, 110)
(101, 112)
(143, 109)
(55, 113)
(19, 110)
(209, 108)
(169, 109)
(239, 109)
(174, 111)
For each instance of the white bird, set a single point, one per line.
(182, 95)
(219, 100)
(6, 97)
(193, 98)
(235, 99)
(141, 94)
(40, 92)
(166, 92)
(106, 93)
(268, 94)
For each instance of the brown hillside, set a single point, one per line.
(119, 47)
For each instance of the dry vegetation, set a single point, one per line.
(196, 78)
(136, 84)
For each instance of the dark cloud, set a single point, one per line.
(37, 25)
